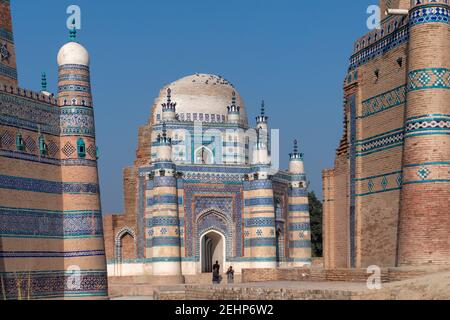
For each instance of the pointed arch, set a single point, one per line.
(122, 250)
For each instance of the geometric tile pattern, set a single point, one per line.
(29, 114)
(380, 142)
(30, 144)
(68, 149)
(7, 140)
(53, 148)
(92, 151)
(429, 14)
(423, 173)
(366, 52)
(203, 197)
(43, 186)
(428, 125)
(384, 101)
(77, 120)
(34, 223)
(431, 78)
(54, 284)
(383, 183)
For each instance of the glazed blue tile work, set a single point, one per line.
(54, 284)
(20, 112)
(387, 182)
(353, 139)
(32, 223)
(43, 186)
(430, 78)
(227, 200)
(432, 124)
(381, 142)
(387, 100)
(432, 13)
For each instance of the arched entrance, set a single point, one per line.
(125, 245)
(204, 155)
(212, 250)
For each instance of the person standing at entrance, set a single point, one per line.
(230, 275)
(216, 273)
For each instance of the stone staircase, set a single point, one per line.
(130, 287)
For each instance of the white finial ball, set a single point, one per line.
(73, 53)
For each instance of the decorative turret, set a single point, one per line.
(44, 84)
(296, 165)
(164, 146)
(234, 111)
(261, 150)
(169, 108)
(8, 68)
(262, 119)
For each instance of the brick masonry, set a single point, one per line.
(391, 165)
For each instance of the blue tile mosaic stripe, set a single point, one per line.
(259, 222)
(43, 186)
(432, 13)
(384, 101)
(260, 242)
(8, 71)
(432, 124)
(33, 223)
(299, 208)
(55, 284)
(162, 199)
(50, 254)
(164, 222)
(259, 202)
(429, 78)
(379, 48)
(300, 244)
(382, 142)
(163, 242)
(26, 113)
(352, 156)
(387, 182)
(298, 192)
(301, 226)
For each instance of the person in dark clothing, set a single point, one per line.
(216, 273)
(230, 275)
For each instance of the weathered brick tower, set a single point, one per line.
(387, 199)
(424, 231)
(8, 68)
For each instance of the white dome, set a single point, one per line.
(73, 53)
(202, 95)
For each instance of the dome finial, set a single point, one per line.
(296, 155)
(263, 108)
(73, 32)
(43, 82)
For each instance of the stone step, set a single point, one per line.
(132, 290)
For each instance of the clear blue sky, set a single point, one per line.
(292, 53)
